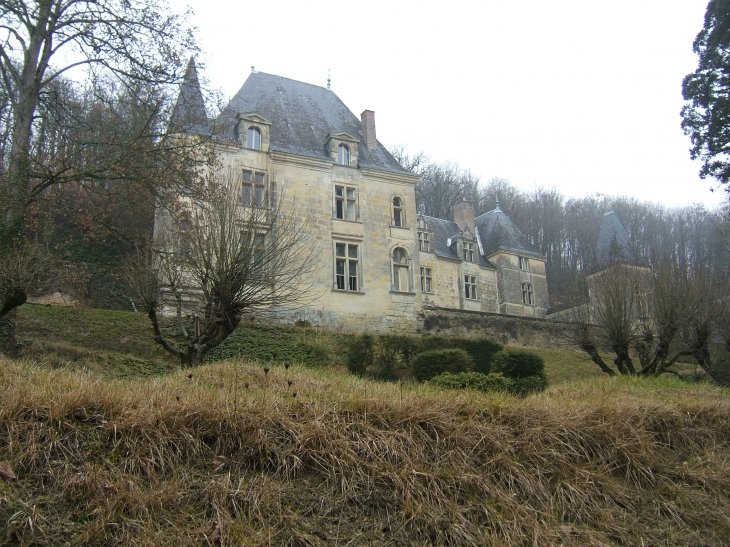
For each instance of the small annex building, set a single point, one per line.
(382, 263)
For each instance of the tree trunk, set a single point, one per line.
(592, 351)
(8, 345)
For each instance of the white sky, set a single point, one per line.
(579, 95)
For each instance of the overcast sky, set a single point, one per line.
(579, 95)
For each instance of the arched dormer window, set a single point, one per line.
(401, 273)
(253, 138)
(343, 155)
(398, 213)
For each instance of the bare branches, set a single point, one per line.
(215, 259)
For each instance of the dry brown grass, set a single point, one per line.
(232, 457)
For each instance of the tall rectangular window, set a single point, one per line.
(346, 267)
(423, 242)
(527, 293)
(524, 263)
(426, 280)
(253, 189)
(469, 252)
(470, 287)
(345, 202)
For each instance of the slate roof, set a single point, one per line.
(442, 231)
(302, 116)
(188, 114)
(614, 245)
(497, 233)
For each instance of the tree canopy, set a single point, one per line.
(706, 114)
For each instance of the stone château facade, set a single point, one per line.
(382, 264)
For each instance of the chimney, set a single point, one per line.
(464, 214)
(367, 118)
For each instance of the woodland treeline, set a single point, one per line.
(565, 229)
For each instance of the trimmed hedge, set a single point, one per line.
(494, 382)
(431, 363)
(481, 350)
(517, 363)
(360, 354)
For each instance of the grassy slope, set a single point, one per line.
(120, 344)
(230, 456)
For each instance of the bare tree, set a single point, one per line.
(43, 40)
(215, 260)
(103, 134)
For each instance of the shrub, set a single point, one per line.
(360, 354)
(481, 350)
(515, 363)
(494, 381)
(528, 384)
(473, 380)
(431, 363)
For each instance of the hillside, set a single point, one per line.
(119, 343)
(228, 454)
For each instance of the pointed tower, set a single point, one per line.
(614, 246)
(188, 114)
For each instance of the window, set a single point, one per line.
(423, 243)
(401, 277)
(524, 263)
(343, 155)
(345, 200)
(398, 212)
(253, 189)
(346, 264)
(527, 293)
(470, 287)
(426, 280)
(253, 138)
(469, 252)
(253, 251)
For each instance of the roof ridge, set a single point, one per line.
(293, 80)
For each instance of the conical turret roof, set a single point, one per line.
(188, 113)
(614, 245)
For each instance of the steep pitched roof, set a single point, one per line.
(497, 233)
(443, 230)
(302, 116)
(188, 114)
(614, 245)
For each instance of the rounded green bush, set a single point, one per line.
(517, 363)
(529, 384)
(431, 363)
(360, 354)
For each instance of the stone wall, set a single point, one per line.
(505, 329)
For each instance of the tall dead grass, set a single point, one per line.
(237, 456)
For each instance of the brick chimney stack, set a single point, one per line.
(464, 214)
(367, 119)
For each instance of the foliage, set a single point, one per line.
(517, 363)
(481, 350)
(494, 382)
(706, 115)
(431, 363)
(85, 92)
(360, 354)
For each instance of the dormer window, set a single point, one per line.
(469, 252)
(252, 130)
(343, 155)
(398, 212)
(253, 138)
